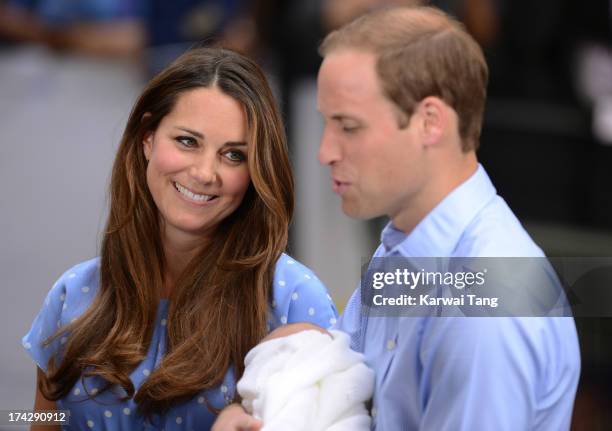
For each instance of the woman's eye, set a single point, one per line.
(235, 156)
(187, 141)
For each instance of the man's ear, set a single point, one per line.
(147, 140)
(433, 113)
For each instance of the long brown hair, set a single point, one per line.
(219, 305)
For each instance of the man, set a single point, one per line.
(402, 92)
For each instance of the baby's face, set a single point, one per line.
(293, 328)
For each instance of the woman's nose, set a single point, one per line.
(204, 169)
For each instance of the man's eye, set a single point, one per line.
(186, 141)
(235, 156)
(350, 129)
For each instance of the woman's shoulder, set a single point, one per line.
(67, 299)
(73, 291)
(291, 271)
(299, 296)
(78, 284)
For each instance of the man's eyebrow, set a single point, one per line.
(192, 132)
(341, 117)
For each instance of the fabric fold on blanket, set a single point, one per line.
(307, 381)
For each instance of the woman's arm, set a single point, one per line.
(41, 403)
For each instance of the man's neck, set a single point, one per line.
(442, 183)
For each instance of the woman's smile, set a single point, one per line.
(192, 196)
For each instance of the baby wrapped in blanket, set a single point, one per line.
(308, 380)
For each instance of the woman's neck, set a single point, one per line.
(178, 252)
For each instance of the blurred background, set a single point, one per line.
(70, 72)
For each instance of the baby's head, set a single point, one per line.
(293, 328)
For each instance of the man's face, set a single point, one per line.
(376, 167)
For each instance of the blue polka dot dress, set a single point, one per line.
(298, 296)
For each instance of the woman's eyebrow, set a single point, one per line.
(192, 132)
(235, 144)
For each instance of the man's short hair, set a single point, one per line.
(422, 52)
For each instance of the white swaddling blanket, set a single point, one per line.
(307, 381)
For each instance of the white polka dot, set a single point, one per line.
(307, 277)
(179, 420)
(329, 297)
(164, 322)
(108, 414)
(281, 283)
(94, 391)
(294, 296)
(332, 320)
(62, 297)
(390, 344)
(311, 311)
(274, 303)
(27, 345)
(146, 372)
(283, 319)
(71, 275)
(200, 400)
(64, 307)
(76, 391)
(85, 289)
(63, 340)
(126, 411)
(90, 424)
(224, 389)
(290, 262)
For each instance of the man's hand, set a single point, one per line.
(234, 418)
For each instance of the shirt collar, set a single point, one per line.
(439, 232)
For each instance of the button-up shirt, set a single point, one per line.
(467, 373)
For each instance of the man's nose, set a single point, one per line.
(329, 150)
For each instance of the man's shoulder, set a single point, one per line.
(496, 232)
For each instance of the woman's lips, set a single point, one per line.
(192, 197)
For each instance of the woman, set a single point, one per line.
(191, 273)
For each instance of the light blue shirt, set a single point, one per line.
(298, 296)
(467, 373)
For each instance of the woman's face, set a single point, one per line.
(197, 162)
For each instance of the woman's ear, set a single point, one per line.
(147, 144)
(147, 140)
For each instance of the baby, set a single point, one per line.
(301, 377)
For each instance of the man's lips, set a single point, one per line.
(339, 187)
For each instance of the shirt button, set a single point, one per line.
(390, 345)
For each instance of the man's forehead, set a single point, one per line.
(349, 74)
(350, 64)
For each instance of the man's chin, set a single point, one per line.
(358, 212)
